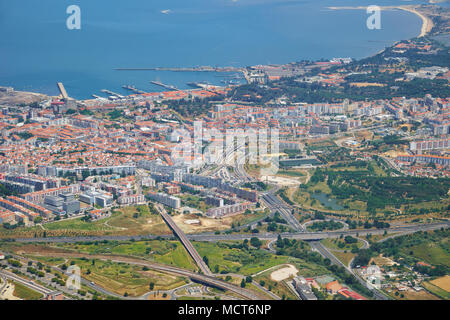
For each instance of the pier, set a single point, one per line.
(133, 88)
(165, 85)
(112, 93)
(185, 69)
(98, 97)
(197, 85)
(63, 91)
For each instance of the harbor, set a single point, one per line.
(113, 94)
(201, 89)
(133, 88)
(185, 69)
(165, 86)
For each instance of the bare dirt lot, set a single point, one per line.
(421, 295)
(282, 181)
(19, 97)
(284, 273)
(383, 261)
(206, 224)
(443, 283)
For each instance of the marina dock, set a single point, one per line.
(112, 93)
(185, 69)
(165, 85)
(133, 88)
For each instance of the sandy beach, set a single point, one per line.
(427, 23)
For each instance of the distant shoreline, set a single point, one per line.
(427, 23)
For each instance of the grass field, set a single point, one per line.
(124, 278)
(236, 280)
(158, 296)
(431, 247)
(136, 220)
(320, 186)
(120, 278)
(51, 261)
(237, 260)
(25, 293)
(377, 169)
(333, 244)
(246, 262)
(78, 224)
(132, 220)
(344, 257)
(430, 252)
(278, 288)
(349, 168)
(161, 251)
(194, 202)
(441, 293)
(19, 232)
(167, 252)
(194, 298)
(248, 218)
(291, 173)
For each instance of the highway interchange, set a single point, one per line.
(272, 202)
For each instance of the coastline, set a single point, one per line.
(17, 97)
(427, 23)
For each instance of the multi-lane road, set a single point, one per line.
(3, 282)
(185, 241)
(208, 280)
(307, 236)
(319, 247)
(275, 204)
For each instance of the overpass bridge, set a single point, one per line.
(185, 241)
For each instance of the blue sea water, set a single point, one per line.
(37, 50)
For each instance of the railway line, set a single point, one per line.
(27, 283)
